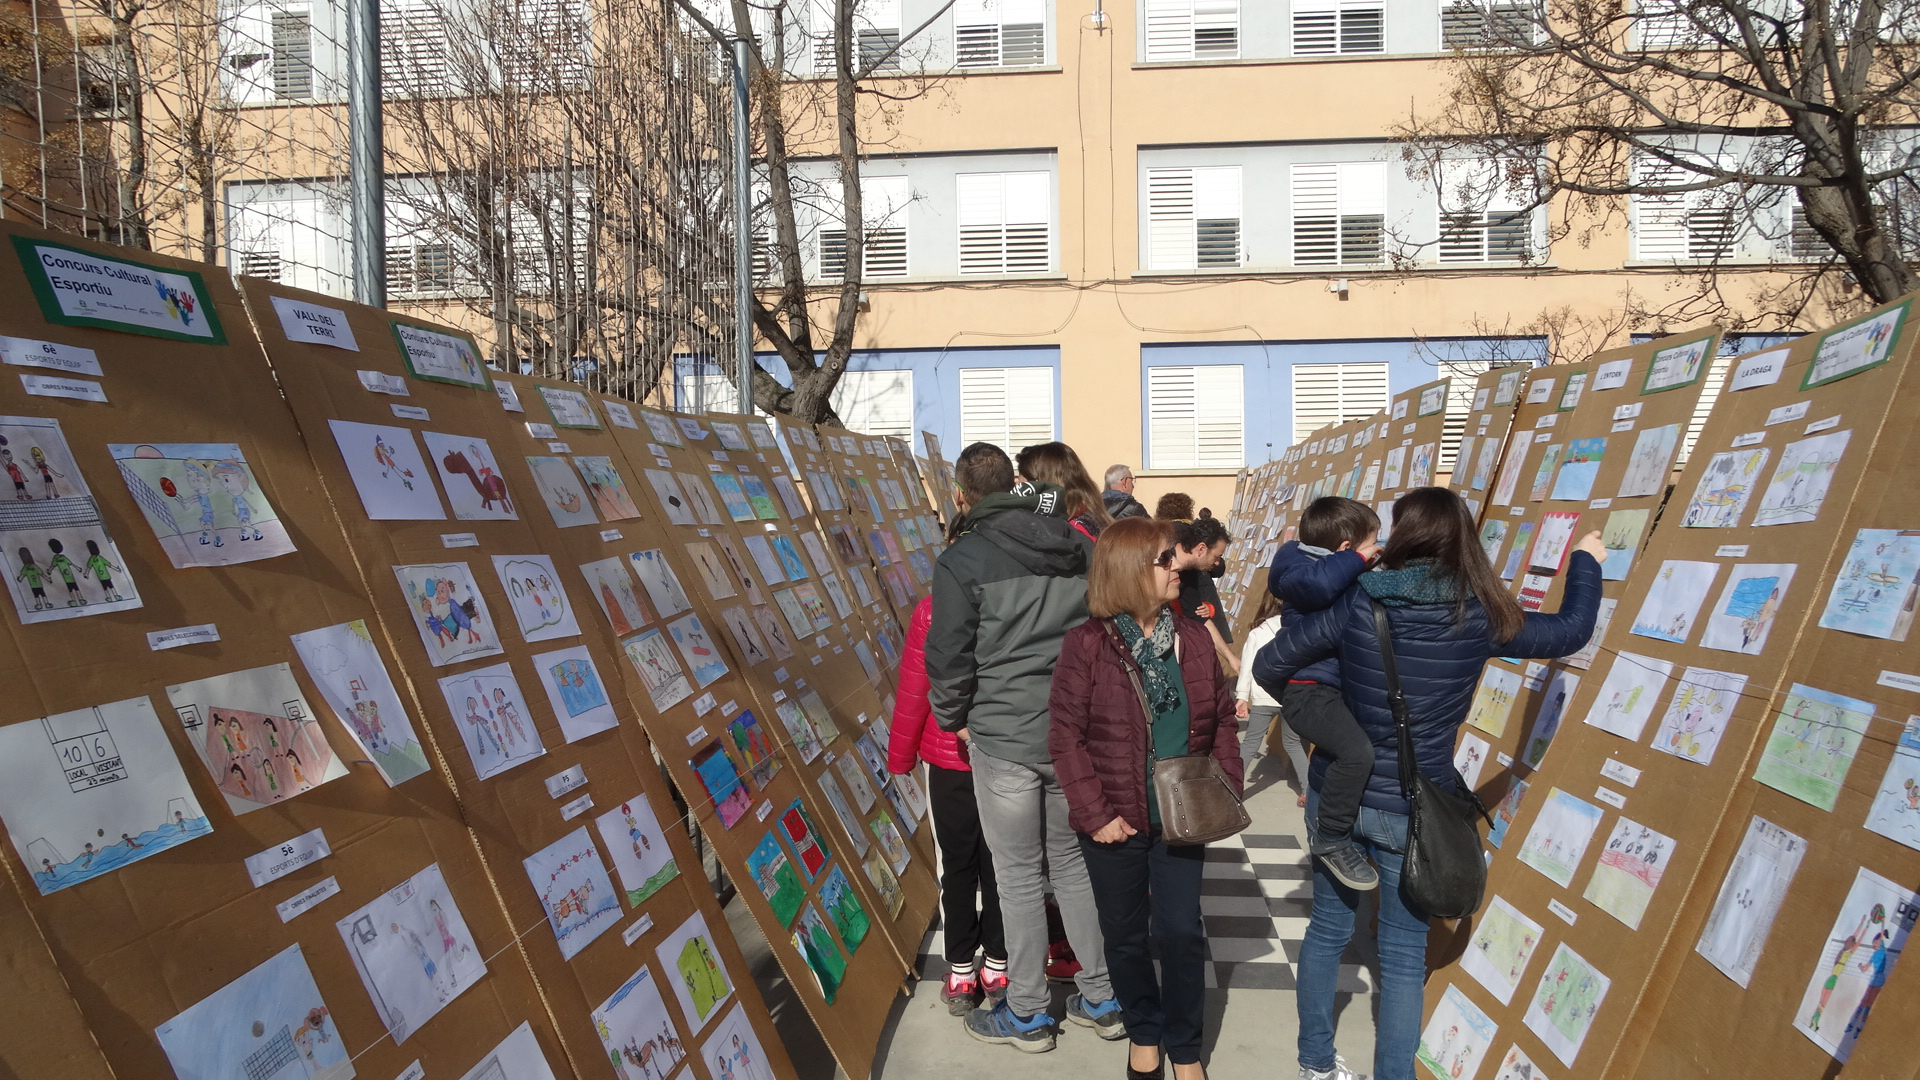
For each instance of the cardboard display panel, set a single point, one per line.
(211, 515)
(1489, 421)
(474, 572)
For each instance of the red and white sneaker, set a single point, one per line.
(1062, 965)
(993, 983)
(961, 993)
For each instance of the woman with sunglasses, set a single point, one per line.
(1138, 673)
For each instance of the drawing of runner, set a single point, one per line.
(35, 577)
(200, 481)
(233, 477)
(383, 454)
(102, 569)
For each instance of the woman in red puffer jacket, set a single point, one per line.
(965, 865)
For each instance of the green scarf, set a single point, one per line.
(1420, 582)
(1162, 695)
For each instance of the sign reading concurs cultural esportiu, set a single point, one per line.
(78, 288)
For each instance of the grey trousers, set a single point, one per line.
(1023, 813)
(1253, 739)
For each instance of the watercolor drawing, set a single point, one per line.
(1813, 743)
(799, 731)
(721, 778)
(874, 865)
(343, 662)
(1505, 812)
(706, 563)
(1895, 813)
(493, 719)
(1493, 700)
(804, 838)
(1626, 699)
(476, 488)
(256, 735)
(576, 692)
(1750, 897)
(1518, 1066)
(269, 1023)
(1799, 483)
(733, 1051)
(776, 635)
(1470, 758)
(746, 636)
(1555, 539)
(1749, 602)
(1493, 535)
(698, 500)
(516, 1057)
(702, 653)
(560, 488)
(1579, 468)
(1875, 591)
(1543, 473)
(822, 953)
(1621, 536)
(60, 562)
(1559, 837)
(733, 497)
(844, 909)
(1720, 498)
(890, 841)
(693, 963)
(607, 487)
(612, 587)
(1630, 868)
(203, 502)
(1866, 941)
(773, 873)
(641, 855)
(659, 670)
(1522, 541)
(637, 1031)
(751, 743)
(1564, 1004)
(667, 489)
(574, 890)
(1648, 465)
(662, 584)
(1456, 1038)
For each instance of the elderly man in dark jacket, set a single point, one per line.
(1004, 595)
(1118, 495)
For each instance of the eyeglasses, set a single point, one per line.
(1164, 560)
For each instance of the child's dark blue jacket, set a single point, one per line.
(1308, 580)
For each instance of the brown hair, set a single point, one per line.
(1432, 524)
(1174, 506)
(1330, 521)
(1122, 575)
(1269, 607)
(983, 469)
(1056, 463)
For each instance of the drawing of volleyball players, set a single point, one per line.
(233, 477)
(64, 566)
(484, 727)
(102, 570)
(13, 472)
(47, 471)
(508, 713)
(35, 577)
(200, 482)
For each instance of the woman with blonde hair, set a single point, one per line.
(1135, 683)
(1056, 463)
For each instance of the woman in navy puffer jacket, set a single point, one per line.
(1449, 614)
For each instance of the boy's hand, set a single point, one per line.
(1369, 550)
(1242, 707)
(1592, 545)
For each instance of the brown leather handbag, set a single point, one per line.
(1196, 798)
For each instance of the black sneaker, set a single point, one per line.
(1349, 867)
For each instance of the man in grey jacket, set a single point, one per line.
(1004, 595)
(1118, 495)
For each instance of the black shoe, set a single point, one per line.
(1349, 867)
(1155, 1073)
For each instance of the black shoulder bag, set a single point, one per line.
(1445, 873)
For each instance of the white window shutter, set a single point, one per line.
(1216, 29)
(1216, 213)
(1196, 416)
(885, 200)
(976, 33)
(1316, 27)
(1659, 221)
(1005, 222)
(1030, 406)
(1170, 218)
(876, 402)
(1169, 29)
(1009, 407)
(1171, 413)
(1335, 393)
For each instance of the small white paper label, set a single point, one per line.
(1620, 772)
(820, 641)
(1548, 420)
(779, 675)
(818, 660)
(300, 902)
(1543, 436)
(185, 635)
(282, 859)
(1622, 425)
(1505, 760)
(1730, 551)
(313, 323)
(704, 532)
(1561, 911)
(703, 704)
(633, 931)
(1612, 375)
(413, 1072)
(562, 782)
(1611, 798)
(559, 448)
(665, 463)
(1795, 411)
(1822, 425)
(1540, 390)
(51, 386)
(509, 397)
(539, 431)
(1761, 370)
(459, 540)
(1627, 412)
(730, 707)
(620, 415)
(409, 412)
(1749, 439)
(1517, 511)
(380, 382)
(72, 359)
(577, 807)
(779, 695)
(760, 812)
(697, 734)
(1409, 428)
(1900, 681)
(608, 536)
(1600, 504)
(1535, 676)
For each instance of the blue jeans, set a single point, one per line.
(1403, 952)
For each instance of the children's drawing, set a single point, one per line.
(448, 611)
(256, 735)
(476, 488)
(535, 596)
(844, 909)
(790, 497)
(1749, 602)
(789, 556)
(1629, 870)
(733, 497)
(869, 665)
(1696, 718)
(850, 821)
(1483, 462)
(730, 796)
(733, 1051)
(1648, 466)
(1522, 540)
(1533, 591)
(797, 616)
(662, 584)
(1876, 588)
(846, 544)
(1584, 658)
(799, 731)
(1895, 813)
(659, 671)
(86, 792)
(1579, 468)
(1559, 837)
(517, 1057)
(804, 837)
(701, 651)
(1674, 599)
(661, 428)
(574, 890)
(738, 564)
(202, 501)
(1507, 390)
(771, 570)
(1851, 349)
(1625, 702)
(1867, 938)
(706, 562)
(637, 1031)
(891, 843)
(874, 865)
(746, 637)
(823, 955)
(1457, 1037)
(838, 594)
(856, 778)
(569, 408)
(1555, 539)
(641, 855)
(60, 562)
(1800, 481)
(908, 787)
(1493, 534)
(1470, 758)
(1543, 473)
(1621, 536)
(1563, 1005)
(413, 951)
(1676, 366)
(1812, 744)
(750, 741)
(493, 719)
(1749, 898)
(1518, 1066)
(560, 488)
(762, 502)
(698, 500)
(672, 499)
(388, 472)
(693, 964)
(1505, 812)
(1510, 471)
(343, 662)
(612, 587)
(576, 692)
(1420, 468)
(817, 551)
(1493, 700)
(810, 602)
(607, 487)
(1720, 498)
(776, 635)
(772, 871)
(269, 1023)
(1396, 467)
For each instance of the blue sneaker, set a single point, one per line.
(1103, 1017)
(1032, 1035)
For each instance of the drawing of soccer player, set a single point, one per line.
(233, 477)
(102, 569)
(35, 577)
(63, 566)
(200, 482)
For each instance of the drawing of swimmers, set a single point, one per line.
(86, 858)
(63, 566)
(35, 577)
(102, 569)
(508, 713)
(47, 471)
(180, 819)
(13, 472)
(484, 726)
(233, 477)
(200, 481)
(131, 842)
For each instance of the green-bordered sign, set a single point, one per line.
(1855, 347)
(570, 408)
(437, 356)
(1678, 365)
(80, 288)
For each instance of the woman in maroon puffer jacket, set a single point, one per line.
(1137, 672)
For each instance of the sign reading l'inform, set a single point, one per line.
(79, 288)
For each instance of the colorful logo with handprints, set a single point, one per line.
(179, 304)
